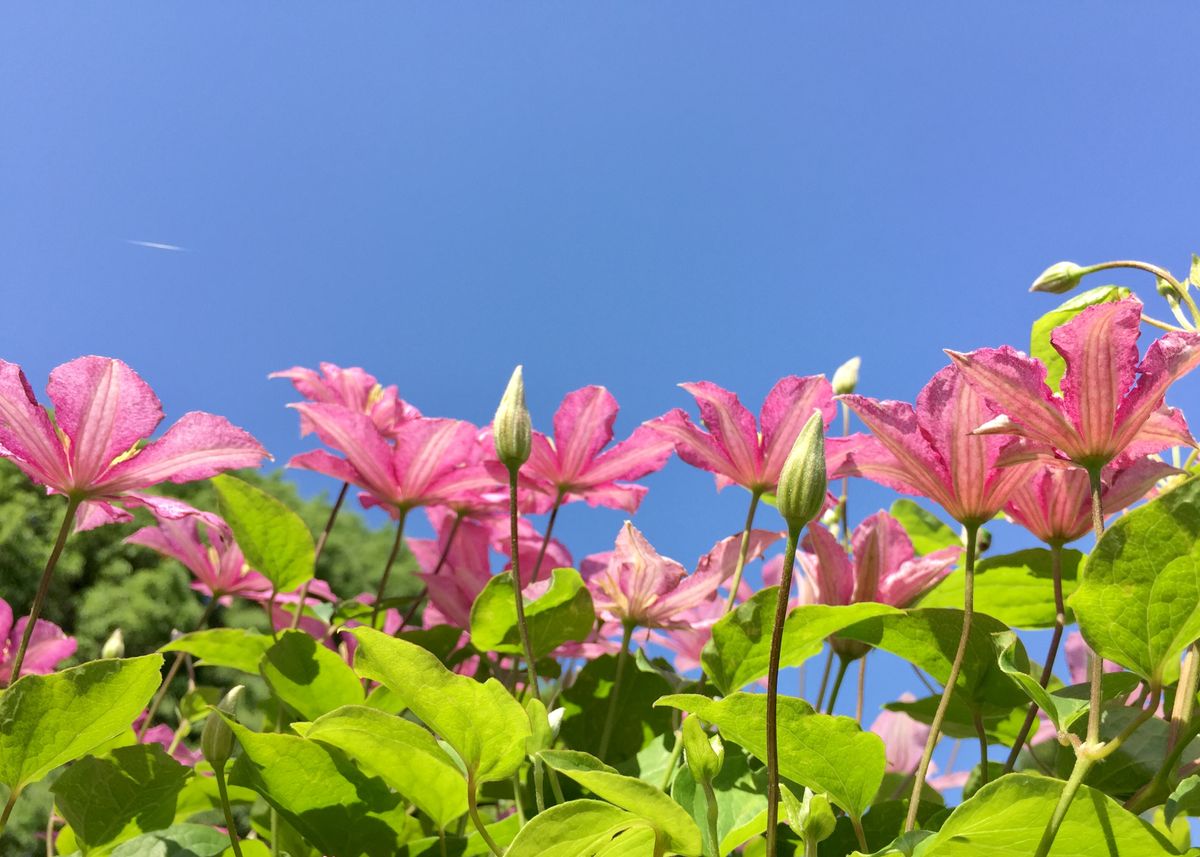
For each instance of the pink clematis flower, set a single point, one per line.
(463, 575)
(929, 450)
(1055, 503)
(91, 452)
(574, 464)
(164, 736)
(732, 447)
(48, 646)
(354, 388)
(904, 742)
(1110, 402)
(428, 465)
(1076, 651)
(529, 546)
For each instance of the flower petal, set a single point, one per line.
(785, 411)
(696, 447)
(644, 452)
(354, 435)
(27, 437)
(827, 566)
(1167, 359)
(583, 425)
(731, 426)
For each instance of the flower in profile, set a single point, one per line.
(464, 573)
(1110, 403)
(732, 447)
(353, 388)
(48, 646)
(92, 451)
(164, 736)
(574, 464)
(928, 450)
(904, 740)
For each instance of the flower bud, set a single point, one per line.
(114, 646)
(811, 819)
(802, 482)
(845, 379)
(704, 754)
(511, 429)
(1058, 278)
(216, 741)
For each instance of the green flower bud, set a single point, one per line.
(216, 741)
(802, 482)
(704, 754)
(811, 819)
(541, 734)
(114, 646)
(1058, 278)
(845, 379)
(512, 429)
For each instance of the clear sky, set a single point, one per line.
(630, 194)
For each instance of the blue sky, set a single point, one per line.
(626, 194)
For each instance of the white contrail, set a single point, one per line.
(155, 245)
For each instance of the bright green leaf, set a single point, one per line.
(307, 676)
(180, 840)
(1185, 800)
(926, 530)
(741, 799)
(1016, 588)
(233, 648)
(563, 612)
(578, 828)
(274, 539)
(1039, 336)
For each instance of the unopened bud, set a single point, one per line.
(114, 646)
(1058, 278)
(512, 429)
(556, 718)
(1166, 289)
(704, 754)
(216, 741)
(812, 818)
(802, 482)
(845, 379)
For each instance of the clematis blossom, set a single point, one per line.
(529, 547)
(733, 448)
(465, 572)
(904, 741)
(1110, 403)
(928, 450)
(92, 450)
(48, 646)
(353, 388)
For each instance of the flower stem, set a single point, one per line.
(981, 733)
(441, 562)
(610, 718)
(843, 510)
(710, 799)
(223, 792)
(522, 626)
(862, 688)
(171, 673)
(8, 808)
(318, 548)
(43, 587)
(743, 550)
(539, 787)
(935, 728)
(473, 811)
(537, 566)
(1060, 620)
(672, 761)
(843, 665)
(387, 569)
(1082, 765)
(781, 609)
(824, 679)
(1185, 696)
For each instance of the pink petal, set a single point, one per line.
(427, 450)
(6, 622)
(903, 738)
(696, 447)
(827, 566)
(98, 513)
(784, 413)
(1169, 358)
(732, 427)
(320, 461)
(27, 436)
(48, 646)
(916, 576)
(614, 495)
(880, 546)
(583, 425)
(355, 436)
(642, 453)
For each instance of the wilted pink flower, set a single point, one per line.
(465, 572)
(574, 464)
(732, 447)
(48, 646)
(353, 388)
(103, 411)
(884, 568)
(1055, 503)
(929, 450)
(1110, 403)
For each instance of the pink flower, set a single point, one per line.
(689, 639)
(634, 585)
(884, 568)
(732, 447)
(574, 464)
(1055, 503)
(463, 575)
(353, 388)
(430, 463)
(929, 450)
(48, 646)
(529, 546)
(164, 736)
(92, 450)
(1110, 403)
(1076, 651)
(903, 738)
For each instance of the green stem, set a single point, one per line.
(610, 718)
(537, 566)
(318, 548)
(441, 562)
(843, 665)
(473, 811)
(781, 609)
(1155, 790)
(1185, 696)
(8, 808)
(223, 792)
(710, 799)
(43, 587)
(935, 728)
(824, 678)
(539, 788)
(1082, 765)
(843, 510)
(555, 786)
(172, 672)
(981, 733)
(522, 625)
(859, 833)
(672, 762)
(387, 569)
(517, 803)
(743, 550)
(862, 688)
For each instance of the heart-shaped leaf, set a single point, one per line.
(563, 612)
(274, 539)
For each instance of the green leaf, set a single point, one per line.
(1185, 800)
(578, 828)
(1135, 762)
(739, 650)
(1006, 818)
(130, 791)
(586, 707)
(403, 754)
(820, 751)
(179, 840)
(1016, 588)
(631, 794)
(317, 790)
(232, 648)
(49, 720)
(307, 676)
(1139, 602)
(741, 799)
(1006, 649)
(482, 722)
(1039, 336)
(274, 539)
(563, 612)
(926, 530)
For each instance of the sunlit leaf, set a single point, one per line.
(563, 612)
(273, 538)
(307, 676)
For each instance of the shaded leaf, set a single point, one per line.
(577, 828)
(307, 676)
(232, 648)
